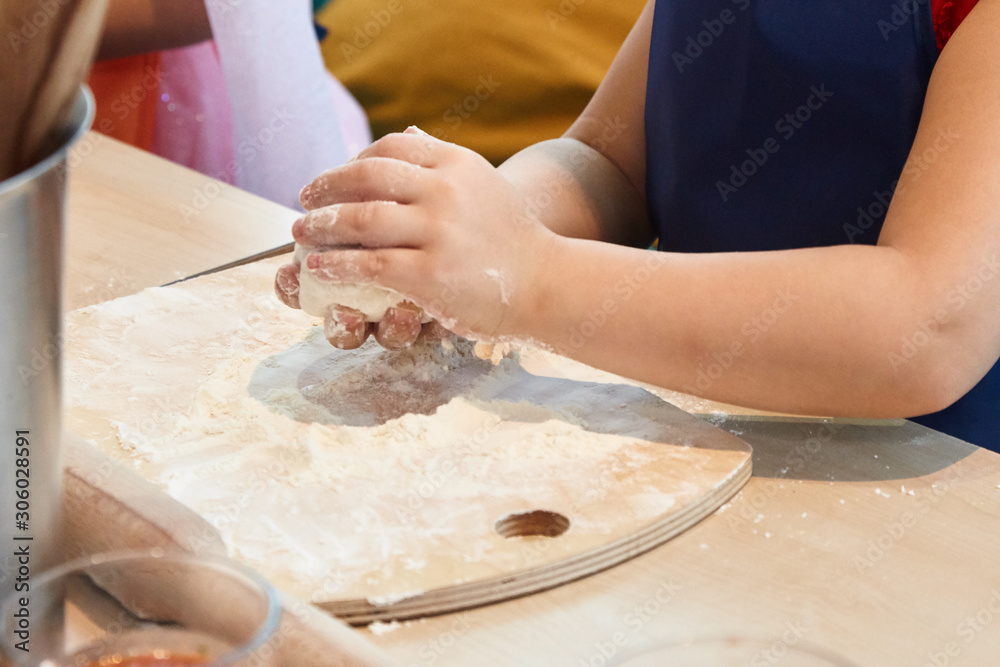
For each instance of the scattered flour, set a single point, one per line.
(379, 628)
(361, 474)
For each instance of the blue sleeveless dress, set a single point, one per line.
(774, 124)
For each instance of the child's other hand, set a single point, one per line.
(431, 220)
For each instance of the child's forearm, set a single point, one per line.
(577, 192)
(810, 331)
(814, 331)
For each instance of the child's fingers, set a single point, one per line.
(371, 224)
(400, 326)
(286, 285)
(390, 267)
(346, 328)
(375, 178)
(416, 147)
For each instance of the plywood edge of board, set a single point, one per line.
(362, 611)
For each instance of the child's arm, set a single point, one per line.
(143, 26)
(597, 170)
(820, 330)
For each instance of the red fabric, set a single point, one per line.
(948, 14)
(126, 91)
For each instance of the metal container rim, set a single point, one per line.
(82, 117)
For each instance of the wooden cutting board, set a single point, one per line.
(125, 512)
(383, 485)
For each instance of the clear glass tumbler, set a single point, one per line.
(143, 609)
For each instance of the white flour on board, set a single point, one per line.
(356, 473)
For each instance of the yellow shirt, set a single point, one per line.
(493, 76)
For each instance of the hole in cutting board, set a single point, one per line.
(536, 523)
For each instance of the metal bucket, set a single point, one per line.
(31, 242)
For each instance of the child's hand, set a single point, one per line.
(347, 329)
(433, 221)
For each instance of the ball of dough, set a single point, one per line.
(317, 296)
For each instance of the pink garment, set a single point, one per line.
(292, 119)
(194, 120)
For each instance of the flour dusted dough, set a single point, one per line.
(316, 297)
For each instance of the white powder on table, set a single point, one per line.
(360, 474)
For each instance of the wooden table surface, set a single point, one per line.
(863, 542)
(135, 220)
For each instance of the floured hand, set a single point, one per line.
(317, 296)
(429, 221)
(398, 324)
